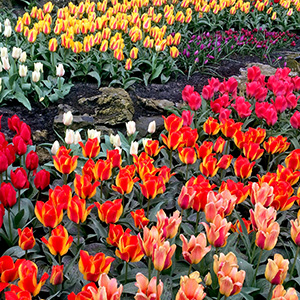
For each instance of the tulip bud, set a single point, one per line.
(60, 71)
(77, 137)
(115, 140)
(23, 57)
(5, 63)
(130, 126)
(36, 76)
(7, 22)
(152, 127)
(207, 279)
(16, 52)
(134, 148)
(57, 275)
(92, 133)
(55, 147)
(23, 70)
(38, 67)
(70, 136)
(7, 31)
(4, 52)
(26, 238)
(67, 118)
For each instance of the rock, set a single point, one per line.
(43, 154)
(39, 136)
(112, 107)
(142, 126)
(157, 105)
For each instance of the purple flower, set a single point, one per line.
(196, 60)
(188, 54)
(202, 47)
(196, 52)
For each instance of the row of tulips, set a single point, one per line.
(212, 190)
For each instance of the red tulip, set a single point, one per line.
(19, 179)
(8, 195)
(32, 161)
(26, 238)
(42, 179)
(110, 211)
(57, 275)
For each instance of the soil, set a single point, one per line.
(40, 118)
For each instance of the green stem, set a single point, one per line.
(294, 263)
(65, 179)
(101, 189)
(170, 158)
(59, 259)
(219, 295)
(268, 165)
(258, 262)
(149, 267)
(6, 175)
(157, 281)
(126, 271)
(19, 200)
(148, 207)
(197, 222)
(78, 233)
(26, 254)
(9, 224)
(187, 172)
(190, 269)
(1, 178)
(38, 195)
(270, 292)
(227, 146)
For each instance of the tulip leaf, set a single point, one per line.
(95, 75)
(157, 72)
(130, 288)
(22, 99)
(15, 252)
(19, 216)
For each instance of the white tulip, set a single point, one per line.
(115, 140)
(23, 57)
(36, 76)
(92, 133)
(130, 126)
(5, 63)
(67, 118)
(134, 148)
(23, 70)
(16, 52)
(7, 22)
(55, 147)
(60, 71)
(70, 136)
(77, 137)
(152, 127)
(38, 67)
(4, 52)
(7, 31)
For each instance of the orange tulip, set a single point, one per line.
(63, 162)
(287, 174)
(190, 288)
(152, 147)
(229, 127)
(83, 186)
(115, 157)
(225, 161)
(237, 227)
(59, 242)
(26, 238)
(124, 182)
(204, 150)
(252, 151)
(186, 197)
(279, 293)
(53, 44)
(139, 218)
(77, 211)
(277, 144)
(195, 249)
(103, 169)
(91, 148)
(28, 278)
(168, 227)
(292, 161)
(277, 269)
(93, 266)
(162, 255)
(148, 290)
(9, 269)
(219, 145)
(48, 214)
(60, 196)
(110, 211)
(208, 166)
(211, 126)
(242, 167)
(129, 248)
(173, 140)
(238, 189)
(187, 155)
(152, 186)
(57, 275)
(172, 123)
(217, 232)
(189, 137)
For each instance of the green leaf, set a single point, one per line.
(22, 99)
(26, 86)
(95, 75)
(130, 288)
(157, 72)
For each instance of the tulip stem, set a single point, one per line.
(6, 175)
(126, 271)
(294, 263)
(268, 165)
(1, 178)
(26, 254)
(219, 295)
(19, 200)
(170, 158)
(9, 224)
(149, 267)
(148, 207)
(227, 147)
(258, 262)
(59, 259)
(190, 269)
(78, 233)
(197, 222)
(187, 172)
(38, 195)
(65, 179)
(157, 282)
(270, 292)
(101, 189)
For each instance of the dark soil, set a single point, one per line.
(40, 118)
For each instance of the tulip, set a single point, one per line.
(295, 120)
(67, 118)
(7, 31)
(91, 148)
(55, 147)
(38, 67)
(60, 196)
(63, 162)
(23, 57)
(115, 140)
(242, 167)
(131, 128)
(195, 249)
(172, 123)
(211, 126)
(124, 182)
(48, 214)
(134, 148)
(93, 266)
(277, 144)
(42, 179)
(32, 161)
(208, 166)
(3, 162)
(162, 255)
(217, 232)
(70, 136)
(16, 52)
(237, 227)
(5, 63)
(114, 234)
(59, 241)
(83, 186)
(204, 150)
(279, 293)
(110, 211)
(77, 211)
(148, 290)
(57, 275)
(92, 133)
(173, 140)
(53, 46)
(186, 197)
(187, 155)
(152, 127)
(60, 71)
(129, 248)
(168, 226)
(8, 196)
(36, 76)
(26, 238)
(4, 52)
(263, 194)
(277, 269)
(19, 179)
(187, 117)
(139, 218)
(190, 288)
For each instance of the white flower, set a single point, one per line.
(4, 52)
(5, 63)
(23, 57)
(134, 148)
(115, 140)
(36, 76)
(67, 118)
(70, 136)
(7, 31)
(38, 67)
(119, 149)
(152, 127)
(60, 71)
(23, 70)
(130, 126)
(7, 22)
(77, 137)
(55, 147)
(92, 133)
(16, 52)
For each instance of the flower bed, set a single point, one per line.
(207, 210)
